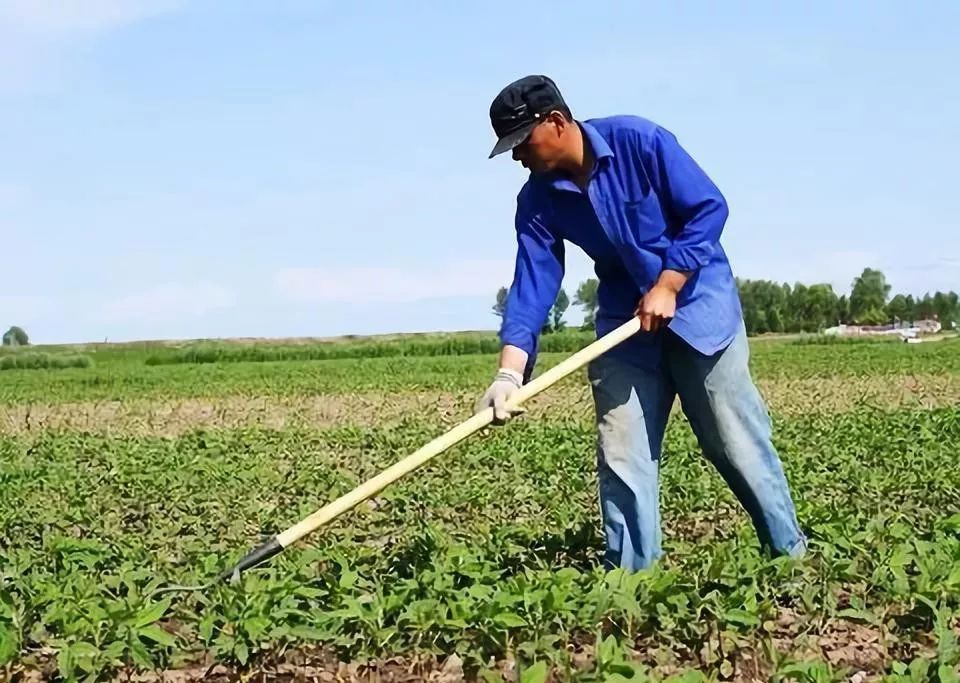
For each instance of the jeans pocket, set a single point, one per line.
(598, 370)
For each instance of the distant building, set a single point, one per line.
(928, 326)
(903, 328)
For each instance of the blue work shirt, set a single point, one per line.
(648, 207)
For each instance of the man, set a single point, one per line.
(624, 190)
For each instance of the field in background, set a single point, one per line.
(123, 476)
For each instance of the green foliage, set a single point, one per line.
(500, 307)
(869, 294)
(43, 361)
(831, 340)
(118, 376)
(555, 318)
(843, 309)
(772, 307)
(586, 298)
(435, 345)
(899, 308)
(492, 551)
(15, 336)
(560, 307)
(505, 563)
(946, 307)
(872, 316)
(264, 353)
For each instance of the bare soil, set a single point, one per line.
(864, 652)
(169, 417)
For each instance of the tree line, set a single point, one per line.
(780, 307)
(585, 297)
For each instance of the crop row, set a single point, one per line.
(435, 345)
(43, 361)
(491, 552)
(115, 379)
(566, 341)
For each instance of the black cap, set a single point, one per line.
(521, 106)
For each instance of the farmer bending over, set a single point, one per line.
(624, 190)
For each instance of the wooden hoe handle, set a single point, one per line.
(432, 449)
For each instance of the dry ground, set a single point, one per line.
(863, 650)
(169, 417)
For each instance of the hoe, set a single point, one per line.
(324, 515)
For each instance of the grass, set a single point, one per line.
(437, 345)
(43, 361)
(491, 552)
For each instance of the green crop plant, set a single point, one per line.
(486, 561)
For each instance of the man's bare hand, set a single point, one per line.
(659, 305)
(656, 308)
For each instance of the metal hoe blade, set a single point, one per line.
(278, 543)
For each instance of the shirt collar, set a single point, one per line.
(601, 150)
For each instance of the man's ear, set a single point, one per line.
(558, 120)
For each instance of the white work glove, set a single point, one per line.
(504, 384)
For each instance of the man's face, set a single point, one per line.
(544, 147)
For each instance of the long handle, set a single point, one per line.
(432, 449)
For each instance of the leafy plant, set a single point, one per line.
(492, 552)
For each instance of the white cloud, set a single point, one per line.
(171, 301)
(365, 285)
(34, 34)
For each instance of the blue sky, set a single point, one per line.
(178, 169)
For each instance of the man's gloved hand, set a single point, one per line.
(504, 384)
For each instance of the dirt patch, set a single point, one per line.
(572, 400)
(842, 643)
(169, 417)
(295, 666)
(794, 397)
(864, 651)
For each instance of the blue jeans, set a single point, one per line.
(732, 426)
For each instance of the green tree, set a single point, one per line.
(911, 307)
(842, 313)
(760, 322)
(924, 309)
(947, 308)
(762, 300)
(748, 304)
(873, 316)
(16, 336)
(899, 309)
(775, 320)
(501, 306)
(773, 307)
(822, 305)
(797, 305)
(869, 294)
(560, 305)
(586, 298)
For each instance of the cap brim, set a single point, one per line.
(511, 140)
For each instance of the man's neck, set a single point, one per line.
(582, 158)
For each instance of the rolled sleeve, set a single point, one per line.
(692, 198)
(537, 276)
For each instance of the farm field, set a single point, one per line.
(123, 477)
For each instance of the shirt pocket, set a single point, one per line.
(644, 220)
